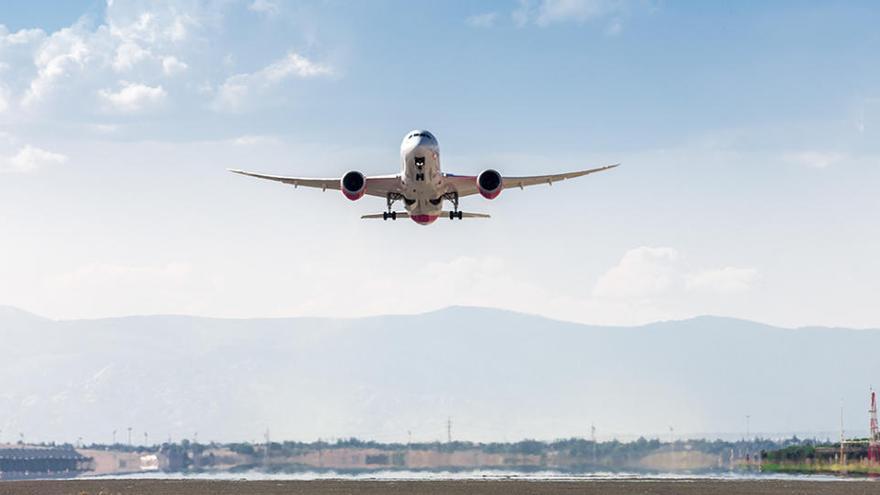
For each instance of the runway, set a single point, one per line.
(476, 487)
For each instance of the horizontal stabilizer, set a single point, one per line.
(465, 214)
(384, 216)
(404, 214)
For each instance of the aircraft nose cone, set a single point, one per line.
(418, 141)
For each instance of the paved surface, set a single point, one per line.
(334, 487)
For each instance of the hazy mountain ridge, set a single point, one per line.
(499, 374)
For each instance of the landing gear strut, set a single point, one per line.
(389, 201)
(453, 198)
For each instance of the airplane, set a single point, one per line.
(421, 185)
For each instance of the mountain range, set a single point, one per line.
(475, 373)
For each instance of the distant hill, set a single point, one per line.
(499, 375)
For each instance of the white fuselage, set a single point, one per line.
(423, 186)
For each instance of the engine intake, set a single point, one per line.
(353, 185)
(490, 183)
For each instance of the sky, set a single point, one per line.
(748, 135)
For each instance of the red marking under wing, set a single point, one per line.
(489, 195)
(356, 196)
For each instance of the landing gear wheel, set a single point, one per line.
(453, 198)
(389, 214)
(394, 215)
(384, 215)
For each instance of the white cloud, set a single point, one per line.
(149, 38)
(816, 159)
(647, 272)
(62, 54)
(4, 99)
(522, 14)
(172, 65)
(615, 28)
(166, 22)
(266, 7)
(486, 20)
(642, 272)
(128, 55)
(728, 280)
(47, 74)
(106, 275)
(253, 140)
(547, 12)
(20, 37)
(552, 11)
(29, 159)
(133, 97)
(235, 92)
(294, 65)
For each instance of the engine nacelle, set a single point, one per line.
(490, 183)
(353, 185)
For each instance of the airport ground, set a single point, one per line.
(475, 487)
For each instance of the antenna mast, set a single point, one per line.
(874, 440)
(449, 430)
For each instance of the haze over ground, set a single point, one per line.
(748, 133)
(500, 376)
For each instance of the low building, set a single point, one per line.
(40, 462)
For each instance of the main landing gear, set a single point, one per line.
(389, 201)
(453, 198)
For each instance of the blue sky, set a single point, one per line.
(748, 134)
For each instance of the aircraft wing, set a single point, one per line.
(466, 185)
(376, 186)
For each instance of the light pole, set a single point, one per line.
(748, 418)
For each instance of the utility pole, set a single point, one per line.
(146, 442)
(129, 436)
(268, 451)
(842, 441)
(449, 430)
(114, 437)
(593, 439)
(748, 419)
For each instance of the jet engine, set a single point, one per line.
(353, 185)
(490, 183)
